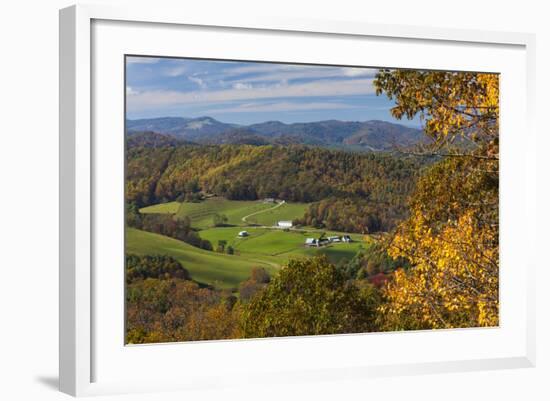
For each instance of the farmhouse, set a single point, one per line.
(243, 234)
(312, 242)
(346, 238)
(284, 224)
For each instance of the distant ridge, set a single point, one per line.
(374, 135)
(184, 128)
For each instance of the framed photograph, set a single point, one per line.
(305, 200)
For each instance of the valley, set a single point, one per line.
(265, 245)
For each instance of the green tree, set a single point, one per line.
(307, 297)
(221, 246)
(192, 186)
(219, 219)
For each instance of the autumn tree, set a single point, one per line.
(154, 266)
(258, 280)
(451, 236)
(453, 106)
(260, 275)
(307, 297)
(178, 310)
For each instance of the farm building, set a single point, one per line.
(243, 233)
(312, 242)
(346, 238)
(334, 238)
(284, 224)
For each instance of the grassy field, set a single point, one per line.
(263, 247)
(223, 271)
(170, 207)
(279, 246)
(286, 211)
(268, 248)
(202, 213)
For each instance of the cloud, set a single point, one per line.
(198, 81)
(286, 73)
(322, 88)
(175, 71)
(358, 72)
(241, 86)
(130, 91)
(280, 106)
(253, 68)
(142, 60)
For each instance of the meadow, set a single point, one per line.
(219, 270)
(264, 246)
(238, 213)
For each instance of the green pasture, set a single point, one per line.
(169, 207)
(255, 212)
(221, 270)
(286, 211)
(201, 214)
(275, 245)
(265, 246)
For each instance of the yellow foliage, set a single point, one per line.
(451, 236)
(454, 282)
(451, 104)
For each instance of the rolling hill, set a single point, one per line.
(191, 129)
(371, 135)
(221, 270)
(238, 213)
(264, 247)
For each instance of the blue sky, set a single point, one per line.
(250, 92)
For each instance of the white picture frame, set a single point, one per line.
(79, 316)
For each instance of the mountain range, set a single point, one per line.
(373, 135)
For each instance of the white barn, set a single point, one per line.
(312, 242)
(284, 224)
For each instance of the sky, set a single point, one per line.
(252, 92)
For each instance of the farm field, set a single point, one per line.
(267, 248)
(263, 247)
(279, 246)
(169, 207)
(285, 211)
(258, 212)
(221, 270)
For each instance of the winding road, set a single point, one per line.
(262, 211)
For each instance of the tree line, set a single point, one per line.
(165, 224)
(307, 297)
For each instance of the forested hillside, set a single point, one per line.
(376, 185)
